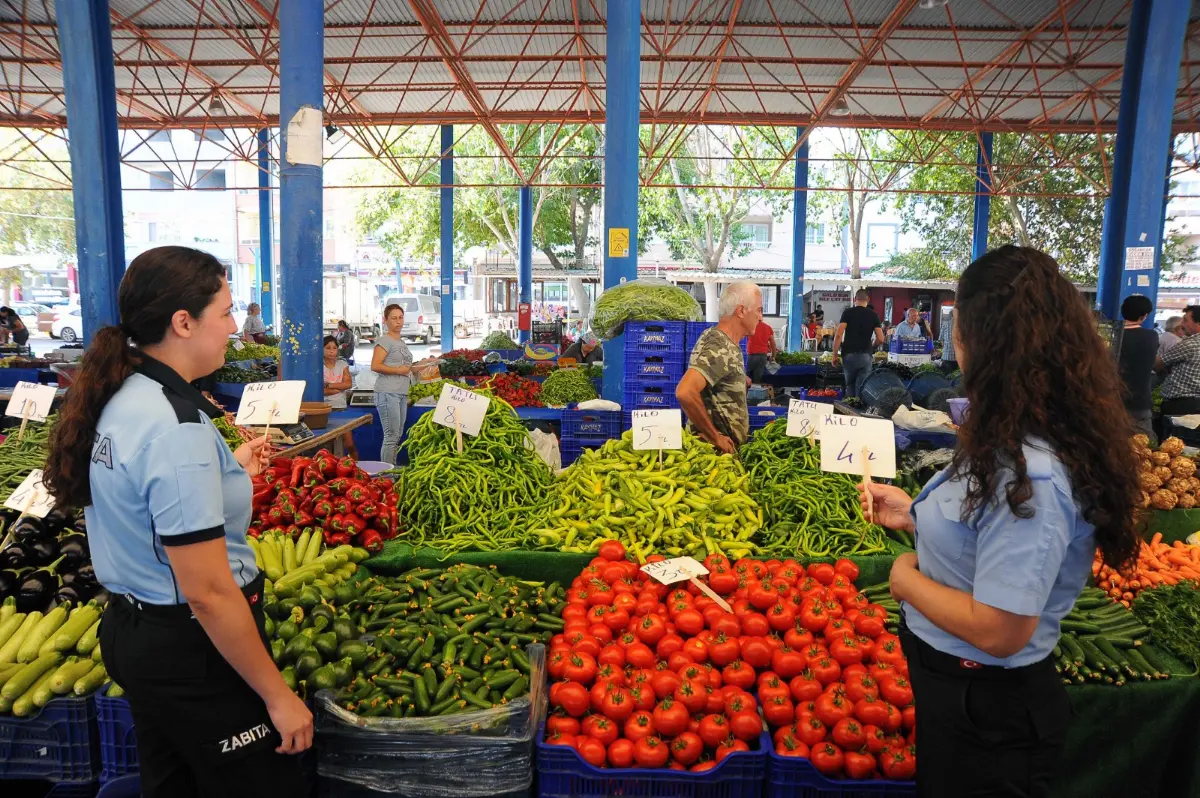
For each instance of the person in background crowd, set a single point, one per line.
(856, 335)
(913, 326)
(393, 362)
(812, 326)
(949, 359)
(11, 324)
(760, 348)
(254, 330)
(346, 341)
(1136, 361)
(713, 389)
(1170, 335)
(167, 505)
(1041, 478)
(337, 381)
(586, 350)
(1181, 363)
(819, 314)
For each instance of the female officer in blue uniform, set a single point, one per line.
(1005, 535)
(168, 505)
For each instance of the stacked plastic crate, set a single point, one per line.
(655, 359)
(586, 429)
(696, 328)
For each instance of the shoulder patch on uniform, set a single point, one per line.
(102, 451)
(1039, 463)
(185, 410)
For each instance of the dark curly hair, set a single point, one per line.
(1036, 368)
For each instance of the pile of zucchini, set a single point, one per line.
(46, 656)
(448, 640)
(1102, 642)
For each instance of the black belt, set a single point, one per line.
(174, 612)
(959, 667)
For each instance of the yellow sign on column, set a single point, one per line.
(618, 242)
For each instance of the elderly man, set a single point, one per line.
(1181, 390)
(586, 350)
(713, 389)
(1171, 334)
(913, 326)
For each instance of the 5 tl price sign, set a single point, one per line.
(266, 403)
(30, 401)
(677, 569)
(843, 439)
(657, 429)
(460, 409)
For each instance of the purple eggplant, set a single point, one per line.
(38, 587)
(10, 581)
(43, 551)
(15, 557)
(74, 549)
(30, 529)
(57, 520)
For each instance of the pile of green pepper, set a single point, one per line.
(694, 503)
(20, 455)
(483, 498)
(809, 512)
(433, 388)
(448, 641)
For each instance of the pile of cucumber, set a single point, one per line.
(46, 656)
(881, 594)
(448, 640)
(1101, 642)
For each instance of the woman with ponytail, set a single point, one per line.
(168, 505)
(1043, 476)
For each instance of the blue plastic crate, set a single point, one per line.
(911, 346)
(569, 449)
(60, 743)
(655, 336)
(841, 393)
(591, 423)
(125, 787)
(118, 743)
(762, 416)
(795, 777)
(665, 364)
(694, 330)
(562, 773)
(649, 395)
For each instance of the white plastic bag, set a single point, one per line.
(599, 404)
(546, 446)
(922, 420)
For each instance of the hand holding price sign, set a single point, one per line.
(267, 403)
(804, 418)
(31, 496)
(461, 410)
(683, 569)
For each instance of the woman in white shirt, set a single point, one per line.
(337, 381)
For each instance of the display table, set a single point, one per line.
(368, 438)
(330, 435)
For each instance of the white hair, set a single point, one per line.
(740, 292)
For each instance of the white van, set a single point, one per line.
(422, 316)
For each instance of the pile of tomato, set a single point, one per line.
(650, 676)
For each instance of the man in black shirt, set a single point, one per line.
(1139, 347)
(856, 332)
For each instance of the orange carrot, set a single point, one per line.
(1154, 541)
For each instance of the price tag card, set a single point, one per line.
(459, 407)
(32, 399)
(677, 569)
(657, 429)
(270, 403)
(31, 496)
(804, 418)
(238, 345)
(843, 439)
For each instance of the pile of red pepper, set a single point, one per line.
(516, 390)
(328, 494)
(466, 354)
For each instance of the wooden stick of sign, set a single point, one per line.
(270, 416)
(458, 433)
(708, 591)
(866, 466)
(24, 421)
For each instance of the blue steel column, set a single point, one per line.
(525, 253)
(266, 231)
(447, 243)
(623, 70)
(85, 42)
(983, 195)
(301, 85)
(795, 337)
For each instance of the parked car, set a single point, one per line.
(36, 316)
(67, 324)
(422, 316)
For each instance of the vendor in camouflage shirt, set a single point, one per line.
(713, 390)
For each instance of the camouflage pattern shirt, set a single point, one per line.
(719, 360)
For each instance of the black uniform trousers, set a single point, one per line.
(984, 730)
(201, 730)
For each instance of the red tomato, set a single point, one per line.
(876, 739)
(722, 581)
(828, 759)
(761, 596)
(641, 676)
(779, 711)
(592, 751)
(723, 650)
(557, 663)
(650, 629)
(847, 569)
(617, 704)
(738, 701)
(822, 572)
(771, 687)
(693, 670)
(562, 738)
(837, 628)
(601, 632)
(620, 753)
(897, 765)
(643, 698)
(558, 722)
(611, 550)
(573, 697)
(573, 612)
(813, 618)
(697, 649)
(746, 726)
(848, 733)
(693, 694)
(811, 730)
(755, 624)
(664, 683)
(715, 699)
(888, 650)
(872, 712)
(687, 748)
(667, 645)
(670, 717)
(845, 650)
(639, 725)
(755, 651)
(639, 655)
(612, 654)
(713, 730)
(797, 637)
(611, 674)
(788, 745)
(679, 661)
(805, 687)
(853, 670)
(831, 708)
(689, 622)
(650, 752)
(588, 644)
(825, 670)
(869, 622)
(859, 686)
(781, 617)
(896, 690)
(894, 720)
(731, 746)
(601, 728)
(788, 663)
(738, 673)
(908, 717)
(859, 766)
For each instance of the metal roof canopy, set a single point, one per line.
(1037, 65)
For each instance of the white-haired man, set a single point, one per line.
(713, 389)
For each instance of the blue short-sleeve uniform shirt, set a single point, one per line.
(161, 475)
(1027, 566)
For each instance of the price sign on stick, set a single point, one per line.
(267, 403)
(31, 497)
(30, 401)
(657, 429)
(683, 569)
(460, 409)
(844, 439)
(804, 418)
(238, 345)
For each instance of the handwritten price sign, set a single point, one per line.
(458, 408)
(31, 496)
(677, 569)
(30, 401)
(843, 439)
(272, 403)
(657, 429)
(804, 418)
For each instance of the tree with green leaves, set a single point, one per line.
(37, 214)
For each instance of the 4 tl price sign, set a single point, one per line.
(845, 440)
